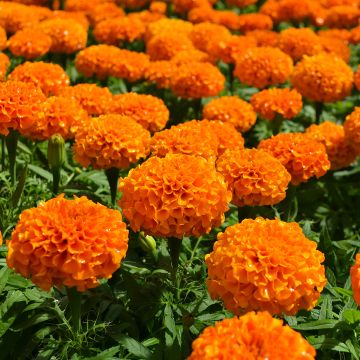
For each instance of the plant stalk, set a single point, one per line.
(11, 144)
(3, 144)
(318, 111)
(112, 175)
(74, 298)
(174, 245)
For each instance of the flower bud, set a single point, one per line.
(147, 242)
(56, 151)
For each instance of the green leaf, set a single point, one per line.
(351, 316)
(317, 325)
(134, 347)
(4, 276)
(107, 354)
(41, 172)
(169, 321)
(20, 187)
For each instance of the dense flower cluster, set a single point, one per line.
(251, 336)
(352, 129)
(71, 243)
(342, 16)
(3, 38)
(302, 156)
(355, 279)
(4, 66)
(166, 25)
(250, 22)
(160, 73)
(111, 141)
(265, 265)
(174, 196)
(336, 47)
(105, 11)
(192, 55)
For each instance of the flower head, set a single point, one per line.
(70, 243)
(352, 130)
(233, 110)
(184, 6)
(341, 34)
(147, 110)
(252, 336)
(342, 16)
(273, 102)
(105, 11)
(174, 196)
(4, 66)
(83, 5)
(241, 3)
(254, 176)
(355, 279)
(336, 47)
(3, 38)
(249, 22)
(160, 73)
(322, 78)
(302, 156)
(111, 141)
(189, 56)
(265, 265)
(50, 78)
(264, 38)
(263, 66)
(78, 16)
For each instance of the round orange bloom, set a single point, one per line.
(252, 336)
(262, 67)
(111, 141)
(57, 115)
(332, 3)
(30, 44)
(332, 136)
(336, 47)
(69, 243)
(146, 16)
(165, 46)
(184, 6)
(4, 66)
(80, 17)
(193, 55)
(3, 38)
(265, 265)
(264, 38)
(105, 11)
(241, 3)
(355, 35)
(159, 7)
(160, 73)
(197, 80)
(18, 103)
(352, 129)
(84, 5)
(255, 177)
(179, 195)
(233, 110)
(118, 30)
(94, 99)
(133, 4)
(32, 2)
(50, 78)
(322, 78)
(341, 34)
(302, 156)
(355, 279)
(273, 102)
(147, 110)
(342, 17)
(68, 35)
(357, 78)
(249, 22)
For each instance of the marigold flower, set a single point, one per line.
(160, 73)
(252, 336)
(322, 78)
(4, 66)
(3, 39)
(241, 3)
(184, 6)
(29, 44)
(341, 34)
(262, 67)
(332, 136)
(166, 25)
(336, 47)
(179, 195)
(133, 4)
(84, 5)
(357, 78)
(71, 243)
(193, 55)
(165, 46)
(355, 35)
(264, 38)
(355, 279)
(267, 265)
(254, 177)
(332, 3)
(273, 102)
(68, 35)
(118, 30)
(302, 156)
(197, 80)
(146, 16)
(352, 129)
(147, 110)
(50, 78)
(18, 103)
(111, 141)
(342, 17)
(105, 11)
(159, 7)
(249, 22)
(233, 110)
(80, 17)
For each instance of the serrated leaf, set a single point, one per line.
(134, 347)
(351, 316)
(317, 325)
(107, 354)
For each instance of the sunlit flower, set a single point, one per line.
(336, 47)
(71, 243)
(146, 17)
(184, 6)
(241, 3)
(302, 156)
(4, 66)
(79, 17)
(264, 38)
(252, 336)
(341, 34)
(233, 110)
(249, 22)
(265, 265)
(3, 38)
(160, 73)
(355, 35)
(352, 129)
(174, 196)
(193, 55)
(84, 5)
(111, 141)
(342, 17)
(355, 279)
(105, 11)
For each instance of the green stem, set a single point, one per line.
(291, 205)
(56, 179)
(231, 78)
(11, 144)
(276, 124)
(74, 298)
(318, 111)
(197, 106)
(174, 245)
(3, 144)
(112, 175)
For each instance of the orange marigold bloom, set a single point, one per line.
(184, 6)
(355, 35)
(332, 3)
(94, 99)
(30, 44)
(302, 156)
(341, 34)
(80, 17)
(352, 129)
(322, 78)
(262, 67)
(105, 11)
(4, 66)
(159, 7)
(118, 30)
(332, 136)
(147, 110)
(336, 47)
(273, 102)
(249, 22)
(267, 265)
(165, 46)
(357, 78)
(342, 17)
(84, 5)
(71, 243)
(3, 39)
(160, 73)
(233, 110)
(355, 279)
(254, 177)
(146, 16)
(193, 55)
(18, 103)
(68, 35)
(133, 4)
(111, 141)
(197, 80)
(241, 3)
(264, 38)
(252, 336)
(50, 78)
(179, 195)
